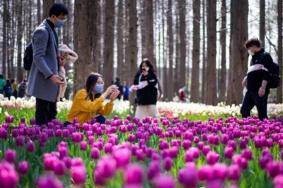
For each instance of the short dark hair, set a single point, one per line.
(253, 42)
(57, 9)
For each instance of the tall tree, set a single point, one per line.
(68, 28)
(120, 39)
(239, 56)
(19, 39)
(182, 37)
(204, 62)
(46, 6)
(84, 46)
(279, 44)
(262, 22)
(109, 41)
(223, 30)
(196, 52)
(177, 79)
(170, 51)
(149, 40)
(98, 57)
(211, 53)
(4, 35)
(131, 46)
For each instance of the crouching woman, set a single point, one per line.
(88, 103)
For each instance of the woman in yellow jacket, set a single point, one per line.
(88, 102)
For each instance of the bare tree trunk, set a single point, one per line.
(46, 6)
(262, 22)
(67, 30)
(279, 44)
(170, 51)
(149, 41)
(98, 53)
(196, 52)
(120, 40)
(165, 79)
(182, 33)
(211, 53)
(19, 40)
(239, 57)
(12, 34)
(177, 55)
(131, 47)
(5, 36)
(108, 69)
(84, 46)
(222, 80)
(39, 12)
(204, 62)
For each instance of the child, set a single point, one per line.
(67, 56)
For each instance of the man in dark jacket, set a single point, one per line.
(44, 79)
(256, 80)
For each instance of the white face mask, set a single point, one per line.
(251, 53)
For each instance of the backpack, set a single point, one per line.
(274, 75)
(28, 57)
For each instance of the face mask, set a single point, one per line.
(99, 88)
(250, 52)
(59, 23)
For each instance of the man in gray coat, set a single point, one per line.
(44, 81)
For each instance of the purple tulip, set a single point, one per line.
(3, 133)
(108, 148)
(77, 162)
(68, 162)
(212, 157)
(278, 181)
(167, 163)
(220, 171)
(83, 145)
(30, 147)
(105, 168)
(8, 176)
(153, 169)
(49, 182)
(247, 154)
(188, 177)
(164, 181)
(77, 137)
(10, 156)
(94, 153)
(234, 172)
(59, 167)
(122, 157)
(228, 152)
(186, 144)
(20, 140)
(273, 168)
(78, 174)
(23, 167)
(206, 149)
(205, 173)
(134, 175)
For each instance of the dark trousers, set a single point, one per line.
(45, 111)
(252, 99)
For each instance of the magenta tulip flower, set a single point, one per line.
(10, 156)
(164, 181)
(8, 176)
(49, 182)
(23, 167)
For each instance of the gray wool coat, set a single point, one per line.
(45, 63)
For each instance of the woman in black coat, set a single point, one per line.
(146, 84)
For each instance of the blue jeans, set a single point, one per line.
(100, 119)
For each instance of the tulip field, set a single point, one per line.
(187, 146)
